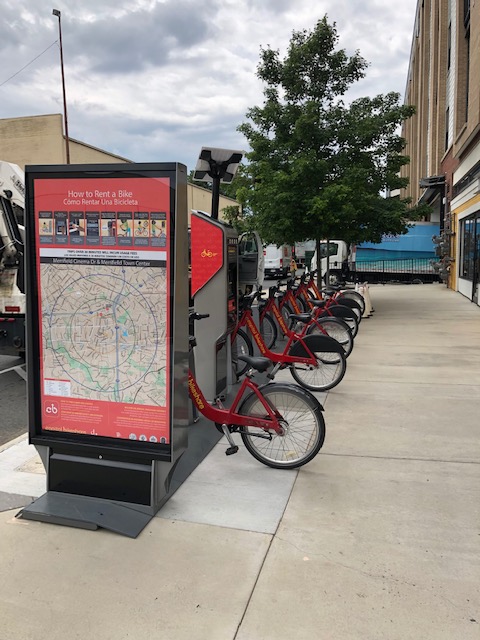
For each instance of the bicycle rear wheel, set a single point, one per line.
(268, 330)
(345, 313)
(241, 346)
(354, 295)
(302, 420)
(352, 304)
(335, 328)
(327, 373)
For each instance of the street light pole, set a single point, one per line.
(57, 13)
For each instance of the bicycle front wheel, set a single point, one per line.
(302, 419)
(241, 346)
(268, 330)
(326, 374)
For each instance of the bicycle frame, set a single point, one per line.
(329, 302)
(289, 297)
(312, 285)
(230, 416)
(283, 358)
(271, 306)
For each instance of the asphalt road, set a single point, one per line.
(13, 401)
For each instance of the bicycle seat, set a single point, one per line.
(259, 363)
(301, 317)
(333, 288)
(318, 303)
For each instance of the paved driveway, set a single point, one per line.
(13, 401)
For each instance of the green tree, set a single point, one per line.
(318, 167)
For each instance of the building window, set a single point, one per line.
(467, 247)
(449, 47)
(466, 13)
(463, 71)
(467, 80)
(447, 124)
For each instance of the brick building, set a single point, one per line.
(443, 137)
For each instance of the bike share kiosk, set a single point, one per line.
(107, 339)
(214, 262)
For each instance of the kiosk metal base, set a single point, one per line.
(129, 519)
(87, 513)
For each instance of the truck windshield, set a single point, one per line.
(332, 249)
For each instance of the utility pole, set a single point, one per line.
(57, 13)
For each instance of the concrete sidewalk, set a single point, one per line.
(377, 538)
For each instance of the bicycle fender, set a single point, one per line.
(315, 342)
(348, 302)
(293, 387)
(339, 311)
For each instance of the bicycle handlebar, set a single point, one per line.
(198, 316)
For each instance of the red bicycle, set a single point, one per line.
(335, 291)
(281, 425)
(271, 316)
(317, 362)
(340, 307)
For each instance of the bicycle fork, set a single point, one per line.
(233, 448)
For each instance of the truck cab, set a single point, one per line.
(12, 242)
(338, 255)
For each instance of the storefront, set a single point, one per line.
(467, 216)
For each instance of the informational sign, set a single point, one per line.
(102, 253)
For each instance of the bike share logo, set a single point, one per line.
(51, 409)
(195, 393)
(206, 253)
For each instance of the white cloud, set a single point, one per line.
(156, 80)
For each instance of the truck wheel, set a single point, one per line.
(335, 278)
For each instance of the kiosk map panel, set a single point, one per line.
(103, 280)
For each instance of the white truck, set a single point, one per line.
(277, 260)
(12, 242)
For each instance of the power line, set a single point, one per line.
(28, 64)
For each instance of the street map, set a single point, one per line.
(105, 332)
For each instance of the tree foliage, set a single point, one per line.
(318, 167)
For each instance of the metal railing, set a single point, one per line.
(397, 270)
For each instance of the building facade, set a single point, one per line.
(443, 137)
(40, 140)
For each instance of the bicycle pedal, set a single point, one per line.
(231, 450)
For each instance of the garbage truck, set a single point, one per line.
(12, 242)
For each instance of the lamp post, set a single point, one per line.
(57, 13)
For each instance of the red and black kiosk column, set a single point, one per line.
(214, 261)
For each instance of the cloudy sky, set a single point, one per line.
(155, 80)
